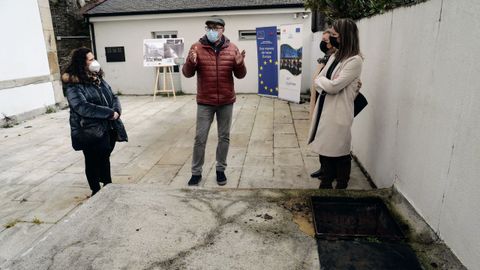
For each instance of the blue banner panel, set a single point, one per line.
(267, 61)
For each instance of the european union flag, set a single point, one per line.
(267, 61)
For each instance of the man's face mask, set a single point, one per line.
(212, 35)
(94, 66)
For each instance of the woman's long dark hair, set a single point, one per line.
(77, 68)
(349, 41)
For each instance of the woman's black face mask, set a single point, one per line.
(323, 47)
(334, 42)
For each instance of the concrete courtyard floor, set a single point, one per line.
(42, 183)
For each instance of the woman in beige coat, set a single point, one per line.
(330, 130)
(328, 50)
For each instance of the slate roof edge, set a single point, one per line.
(193, 10)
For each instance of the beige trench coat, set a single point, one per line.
(333, 136)
(313, 92)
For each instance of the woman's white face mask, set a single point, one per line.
(94, 66)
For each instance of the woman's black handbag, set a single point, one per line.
(359, 104)
(93, 129)
(121, 133)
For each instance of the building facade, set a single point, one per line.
(117, 24)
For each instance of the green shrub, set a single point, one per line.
(8, 122)
(50, 109)
(36, 221)
(354, 9)
(11, 224)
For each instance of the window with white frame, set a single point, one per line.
(165, 34)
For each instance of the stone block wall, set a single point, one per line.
(71, 29)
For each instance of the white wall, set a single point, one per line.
(19, 100)
(131, 77)
(23, 52)
(420, 131)
(22, 55)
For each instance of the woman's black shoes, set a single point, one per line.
(326, 185)
(341, 185)
(320, 173)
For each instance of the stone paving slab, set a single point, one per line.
(291, 177)
(284, 129)
(176, 156)
(285, 140)
(236, 156)
(55, 202)
(255, 160)
(160, 174)
(257, 177)
(26, 234)
(13, 211)
(288, 157)
(9, 192)
(149, 227)
(260, 148)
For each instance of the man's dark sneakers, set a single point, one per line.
(221, 178)
(194, 180)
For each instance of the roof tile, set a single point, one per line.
(117, 7)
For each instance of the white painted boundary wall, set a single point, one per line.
(421, 129)
(23, 55)
(26, 98)
(130, 77)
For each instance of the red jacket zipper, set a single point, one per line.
(218, 91)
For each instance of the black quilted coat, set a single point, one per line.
(92, 107)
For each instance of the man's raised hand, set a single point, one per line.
(192, 54)
(239, 57)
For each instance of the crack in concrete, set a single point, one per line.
(176, 261)
(52, 258)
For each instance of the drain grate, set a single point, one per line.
(362, 255)
(364, 234)
(345, 218)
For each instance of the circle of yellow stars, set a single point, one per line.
(270, 61)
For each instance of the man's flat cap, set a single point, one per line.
(215, 20)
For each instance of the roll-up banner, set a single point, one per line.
(290, 76)
(267, 61)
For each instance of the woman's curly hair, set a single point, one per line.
(77, 68)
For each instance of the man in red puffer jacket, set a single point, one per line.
(215, 60)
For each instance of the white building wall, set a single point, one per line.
(21, 99)
(130, 77)
(23, 55)
(420, 131)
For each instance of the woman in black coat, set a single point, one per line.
(94, 116)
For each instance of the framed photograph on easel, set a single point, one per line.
(163, 54)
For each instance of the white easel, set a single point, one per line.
(164, 69)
